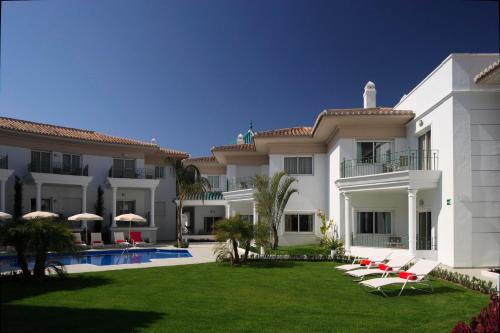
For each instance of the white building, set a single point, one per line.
(61, 169)
(422, 177)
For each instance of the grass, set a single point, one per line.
(297, 250)
(258, 297)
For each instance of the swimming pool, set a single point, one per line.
(103, 257)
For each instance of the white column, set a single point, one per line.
(348, 223)
(412, 221)
(152, 210)
(2, 195)
(113, 222)
(255, 214)
(228, 211)
(38, 196)
(84, 198)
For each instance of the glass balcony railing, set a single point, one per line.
(400, 161)
(4, 161)
(240, 183)
(59, 169)
(393, 241)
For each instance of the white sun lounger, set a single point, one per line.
(78, 240)
(394, 264)
(120, 239)
(415, 274)
(374, 260)
(96, 239)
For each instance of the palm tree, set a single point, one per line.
(272, 196)
(229, 232)
(188, 181)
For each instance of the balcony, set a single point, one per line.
(240, 183)
(59, 169)
(400, 161)
(393, 242)
(4, 161)
(137, 173)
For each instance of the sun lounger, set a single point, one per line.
(417, 274)
(78, 240)
(96, 240)
(120, 239)
(395, 264)
(136, 238)
(373, 260)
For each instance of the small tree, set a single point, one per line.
(229, 232)
(330, 239)
(99, 208)
(272, 196)
(18, 198)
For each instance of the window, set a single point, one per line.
(214, 182)
(41, 161)
(124, 168)
(125, 207)
(299, 222)
(71, 164)
(159, 172)
(374, 152)
(374, 222)
(46, 205)
(298, 165)
(208, 224)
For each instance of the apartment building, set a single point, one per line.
(422, 176)
(61, 169)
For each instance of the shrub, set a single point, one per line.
(485, 322)
(465, 280)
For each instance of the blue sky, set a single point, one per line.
(194, 73)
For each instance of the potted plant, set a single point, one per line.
(330, 238)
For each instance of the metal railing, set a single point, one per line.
(240, 183)
(4, 161)
(393, 241)
(410, 159)
(137, 173)
(59, 168)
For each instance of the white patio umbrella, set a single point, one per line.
(85, 217)
(130, 218)
(5, 216)
(39, 215)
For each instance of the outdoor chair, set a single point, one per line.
(136, 238)
(78, 240)
(96, 240)
(120, 239)
(395, 264)
(417, 274)
(370, 261)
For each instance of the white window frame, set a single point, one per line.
(218, 188)
(390, 141)
(297, 157)
(374, 210)
(298, 227)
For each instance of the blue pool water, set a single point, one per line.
(103, 258)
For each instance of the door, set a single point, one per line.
(424, 227)
(424, 152)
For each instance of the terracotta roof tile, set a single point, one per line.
(202, 159)
(30, 127)
(365, 112)
(487, 71)
(289, 131)
(236, 147)
(174, 153)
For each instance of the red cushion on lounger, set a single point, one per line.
(136, 236)
(365, 262)
(98, 242)
(384, 267)
(407, 275)
(121, 241)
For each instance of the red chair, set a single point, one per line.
(136, 238)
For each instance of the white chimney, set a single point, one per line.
(370, 96)
(153, 141)
(240, 140)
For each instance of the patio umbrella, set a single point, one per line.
(130, 218)
(5, 216)
(39, 215)
(85, 217)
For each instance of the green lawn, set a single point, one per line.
(287, 297)
(297, 250)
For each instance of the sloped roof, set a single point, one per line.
(202, 159)
(487, 72)
(49, 130)
(237, 147)
(289, 131)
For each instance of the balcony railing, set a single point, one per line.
(400, 161)
(240, 183)
(59, 169)
(4, 161)
(393, 242)
(137, 173)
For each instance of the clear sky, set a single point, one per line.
(194, 73)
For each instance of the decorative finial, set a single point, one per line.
(251, 125)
